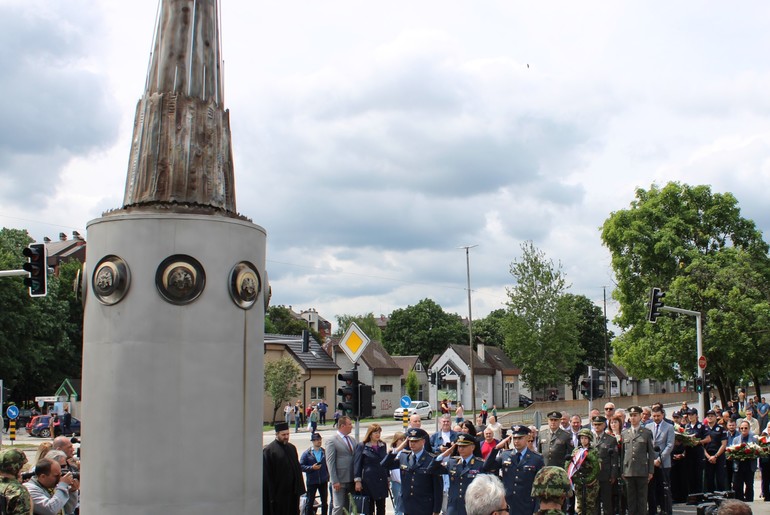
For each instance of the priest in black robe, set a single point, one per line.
(282, 483)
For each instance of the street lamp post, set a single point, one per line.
(470, 330)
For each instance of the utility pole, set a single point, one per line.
(606, 349)
(470, 330)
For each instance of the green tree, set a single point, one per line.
(491, 329)
(281, 382)
(412, 384)
(366, 323)
(591, 338)
(694, 245)
(424, 329)
(40, 338)
(541, 336)
(281, 320)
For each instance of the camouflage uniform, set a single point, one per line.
(585, 479)
(551, 483)
(16, 496)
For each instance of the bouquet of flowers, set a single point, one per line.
(682, 438)
(744, 452)
(764, 444)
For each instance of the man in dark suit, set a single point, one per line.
(339, 459)
(638, 461)
(609, 457)
(744, 471)
(519, 466)
(554, 443)
(421, 490)
(659, 491)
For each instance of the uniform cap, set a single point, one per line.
(635, 409)
(711, 412)
(676, 414)
(11, 461)
(520, 430)
(554, 415)
(315, 436)
(416, 433)
(599, 418)
(551, 482)
(692, 411)
(465, 439)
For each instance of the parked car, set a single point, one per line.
(40, 426)
(422, 408)
(525, 401)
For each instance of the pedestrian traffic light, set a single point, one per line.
(37, 266)
(348, 393)
(365, 398)
(585, 388)
(655, 303)
(699, 385)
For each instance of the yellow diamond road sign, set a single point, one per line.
(354, 342)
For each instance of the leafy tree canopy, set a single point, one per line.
(424, 329)
(694, 245)
(542, 335)
(367, 323)
(490, 330)
(280, 320)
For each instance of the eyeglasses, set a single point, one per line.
(608, 409)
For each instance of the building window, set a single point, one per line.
(386, 388)
(317, 393)
(420, 393)
(418, 366)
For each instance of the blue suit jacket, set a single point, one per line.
(436, 441)
(517, 478)
(737, 441)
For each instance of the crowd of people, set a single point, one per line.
(635, 461)
(49, 486)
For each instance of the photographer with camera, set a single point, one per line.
(50, 491)
(66, 445)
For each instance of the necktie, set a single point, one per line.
(350, 446)
(657, 427)
(517, 458)
(411, 460)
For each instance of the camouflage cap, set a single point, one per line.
(551, 482)
(586, 432)
(11, 461)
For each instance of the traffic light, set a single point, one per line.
(585, 388)
(365, 394)
(348, 393)
(655, 303)
(699, 384)
(597, 385)
(37, 266)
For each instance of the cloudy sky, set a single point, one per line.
(373, 139)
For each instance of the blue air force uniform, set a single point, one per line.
(422, 490)
(461, 473)
(518, 473)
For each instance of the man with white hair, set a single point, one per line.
(486, 496)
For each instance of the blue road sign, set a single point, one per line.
(12, 412)
(406, 401)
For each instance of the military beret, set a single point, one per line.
(281, 426)
(11, 461)
(465, 439)
(416, 433)
(518, 430)
(599, 419)
(635, 409)
(554, 415)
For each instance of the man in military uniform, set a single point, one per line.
(638, 461)
(519, 466)
(716, 471)
(461, 470)
(551, 487)
(554, 443)
(421, 490)
(17, 501)
(607, 448)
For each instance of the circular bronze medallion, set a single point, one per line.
(245, 284)
(180, 279)
(111, 280)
